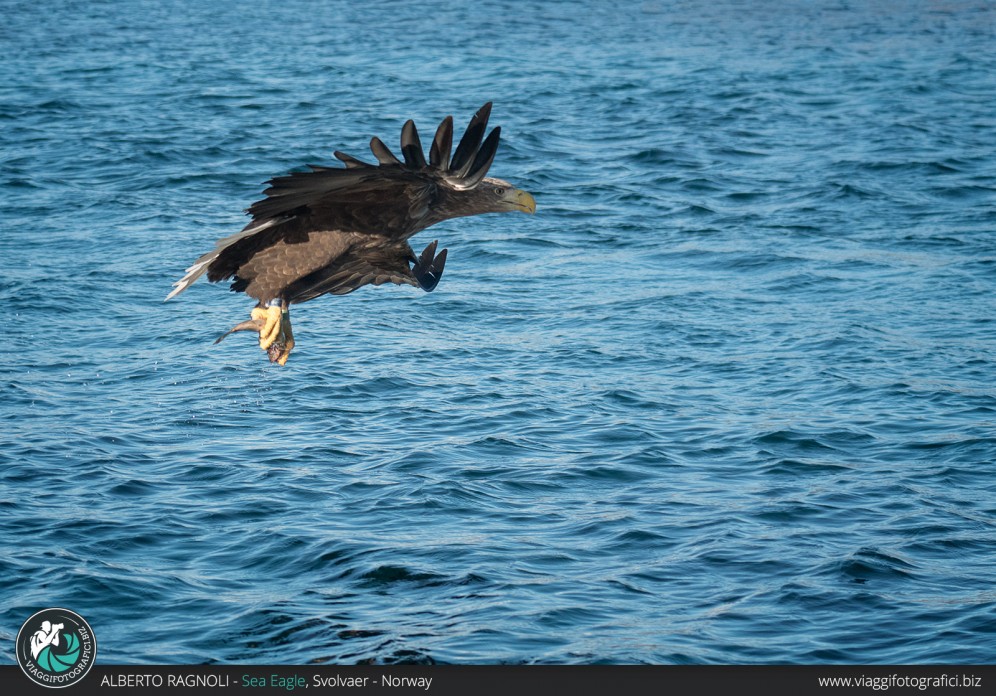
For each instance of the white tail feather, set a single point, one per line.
(193, 273)
(201, 265)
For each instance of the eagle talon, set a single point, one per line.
(276, 336)
(271, 326)
(275, 351)
(279, 351)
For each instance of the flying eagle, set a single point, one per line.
(332, 230)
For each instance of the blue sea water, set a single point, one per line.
(729, 397)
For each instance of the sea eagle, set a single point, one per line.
(331, 230)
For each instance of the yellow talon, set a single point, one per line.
(285, 328)
(271, 328)
(275, 334)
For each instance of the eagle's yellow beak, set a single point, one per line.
(524, 200)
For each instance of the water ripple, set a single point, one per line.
(728, 397)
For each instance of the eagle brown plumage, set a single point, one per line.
(331, 230)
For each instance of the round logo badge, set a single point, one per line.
(56, 648)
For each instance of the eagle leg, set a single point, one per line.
(287, 344)
(270, 331)
(276, 336)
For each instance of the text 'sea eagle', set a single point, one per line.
(332, 230)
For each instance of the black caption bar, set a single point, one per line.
(519, 680)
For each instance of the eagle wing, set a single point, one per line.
(374, 264)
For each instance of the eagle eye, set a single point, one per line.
(500, 191)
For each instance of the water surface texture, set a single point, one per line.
(730, 396)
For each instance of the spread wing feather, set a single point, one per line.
(439, 153)
(350, 161)
(382, 152)
(482, 162)
(391, 180)
(469, 143)
(411, 146)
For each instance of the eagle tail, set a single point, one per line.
(193, 273)
(202, 264)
